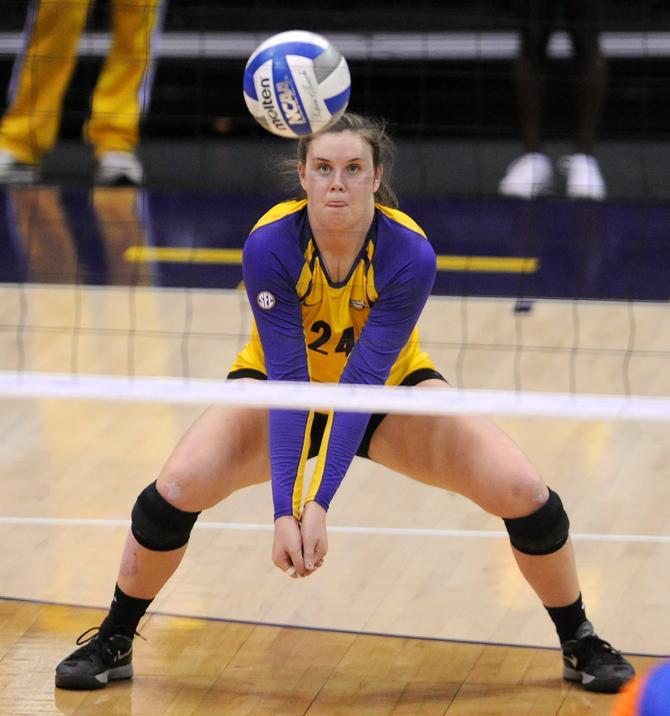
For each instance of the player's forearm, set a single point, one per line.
(287, 445)
(343, 439)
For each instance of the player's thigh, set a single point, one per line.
(463, 453)
(224, 450)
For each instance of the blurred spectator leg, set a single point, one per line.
(123, 91)
(532, 173)
(583, 177)
(40, 77)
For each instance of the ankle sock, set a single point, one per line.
(568, 619)
(124, 615)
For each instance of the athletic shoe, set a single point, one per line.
(530, 175)
(583, 178)
(12, 171)
(102, 658)
(119, 168)
(594, 663)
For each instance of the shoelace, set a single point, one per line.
(96, 632)
(595, 646)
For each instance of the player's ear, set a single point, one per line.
(301, 175)
(379, 172)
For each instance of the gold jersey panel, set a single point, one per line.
(334, 314)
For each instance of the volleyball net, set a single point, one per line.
(542, 307)
(561, 359)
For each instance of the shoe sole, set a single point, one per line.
(19, 177)
(585, 196)
(534, 193)
(79, 682)
(600, 685)
(118, 179)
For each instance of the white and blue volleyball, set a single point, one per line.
(296, 83)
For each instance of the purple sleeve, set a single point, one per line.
(269, 264)
(404, 286)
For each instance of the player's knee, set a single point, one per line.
(542, 532)
(158, 525)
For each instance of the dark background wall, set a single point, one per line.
(459, 98)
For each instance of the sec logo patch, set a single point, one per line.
(265, 300)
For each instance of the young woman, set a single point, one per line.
(336, 282)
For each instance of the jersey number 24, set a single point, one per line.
(345, 344)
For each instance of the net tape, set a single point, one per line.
(348, 398)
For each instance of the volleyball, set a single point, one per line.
(296, 83)
(646, 695)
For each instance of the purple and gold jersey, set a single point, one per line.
(307, 327)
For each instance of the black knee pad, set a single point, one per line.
(542, 532)
(158, 525)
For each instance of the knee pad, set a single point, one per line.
(544, 531)
(158, 525)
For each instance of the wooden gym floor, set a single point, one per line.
(203, 667)
(70, 471)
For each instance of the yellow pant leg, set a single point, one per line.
(30, 126)
(122, 90)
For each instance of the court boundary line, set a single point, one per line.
(303, 627)
(334, 529)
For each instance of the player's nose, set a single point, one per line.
(337, 182)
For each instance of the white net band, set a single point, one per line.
(349, 398)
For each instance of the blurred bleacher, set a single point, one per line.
(439, 71)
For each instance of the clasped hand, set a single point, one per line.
(299, 547)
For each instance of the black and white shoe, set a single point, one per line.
(12, 171)
(101, 658)
(594, 663)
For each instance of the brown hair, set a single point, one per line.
(373, 131)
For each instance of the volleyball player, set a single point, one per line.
(336, 282)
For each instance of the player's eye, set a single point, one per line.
(323, 168)
(353, 168)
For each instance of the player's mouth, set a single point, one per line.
(336, 204)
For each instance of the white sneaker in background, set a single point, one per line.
(119, 168)
(12, 171)
(583, 177)
(530, 175)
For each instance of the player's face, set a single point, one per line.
(340, 180)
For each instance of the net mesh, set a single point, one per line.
(550, 296)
